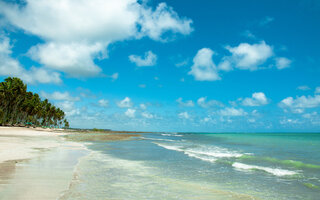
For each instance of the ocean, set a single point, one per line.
(280, 166)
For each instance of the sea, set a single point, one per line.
(206, 166)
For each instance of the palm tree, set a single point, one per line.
(17, 106)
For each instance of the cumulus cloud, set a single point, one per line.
(163, 19)
(288, 121)
(143, 106)
(147, 115)
(298, 104)
(203, 68)
(282, 63)
(185, 104)
(310, 115)
(12, 67)
(125, 103)
(69, 108)
(249, 56)
(317, 90)
(77, 32)
(149, 59)
(232, 112)
(184, 115)
(257, 99)
(202, 102)
(303, 87)
(75, 59)
(103, 103)
(130, 113)
(225, 65)
(59, 96)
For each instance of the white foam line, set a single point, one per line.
(217, 154)
(274, 171)
(168, 140)
(174, 148)
(201, 157)
(174, 134)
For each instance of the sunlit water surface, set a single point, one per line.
(201, 166)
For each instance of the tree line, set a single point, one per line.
(20, 107)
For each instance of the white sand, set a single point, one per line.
(47, 169)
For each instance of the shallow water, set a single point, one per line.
(201, 166)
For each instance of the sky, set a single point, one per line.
(183, 65)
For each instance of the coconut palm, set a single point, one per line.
(17, 106)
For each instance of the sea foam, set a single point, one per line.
(274, 171)
(205, 153)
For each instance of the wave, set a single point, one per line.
(289, 163)
(173, 134)
(204, 158)
(170, 147)
(274, 171)
(168, 140)
(205, 153)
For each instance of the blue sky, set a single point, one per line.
(213, 66)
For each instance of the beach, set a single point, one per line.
(38, 163)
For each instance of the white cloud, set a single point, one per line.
(301, 102)
(149, 59)
(317, 90)
(59, 96)
(232, 112)
(257, 99)
(282, 63)
(303, 87)
(225, 65)
(202, 102)
(142, 86)
(310, 115)
(12, 67)
(125, 103)
(203, 68)
(103, 103)
(147, 115)
(249, 34)
(77, 32)
(69, 108)
(114, 76)
(163, 19)
(184, 115)
(288, 121)
(185, 104)
(249, 56)
(130, 113)
(74, 59)
(208, 119)
(143, 106)
(182, 63)
(266, 20)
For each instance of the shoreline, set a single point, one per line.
(37, 163)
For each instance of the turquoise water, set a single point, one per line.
(202, 166)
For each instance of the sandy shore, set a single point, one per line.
(40, 163)
(36, 163)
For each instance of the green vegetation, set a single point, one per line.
(19, 107)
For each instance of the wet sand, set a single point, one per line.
(40, 163)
